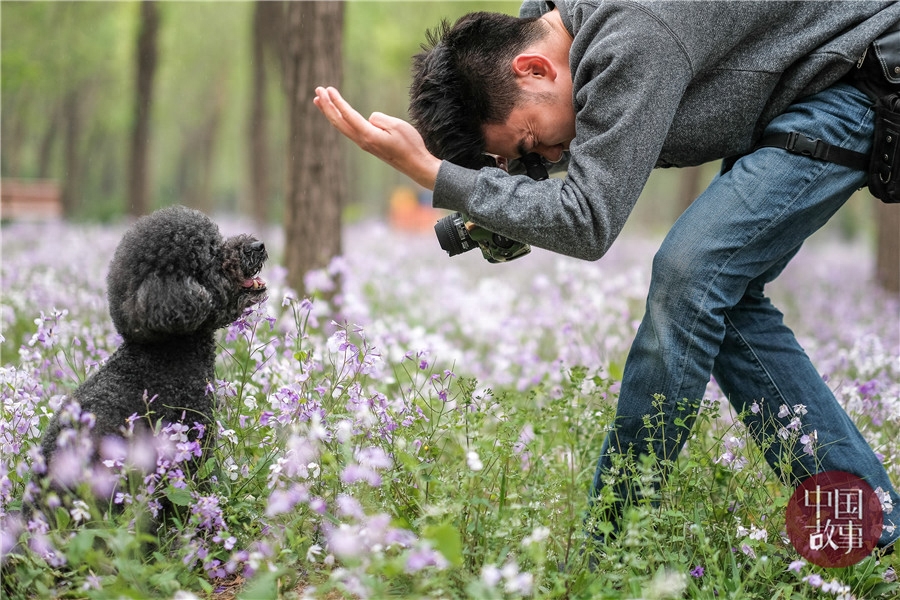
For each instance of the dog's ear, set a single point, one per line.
(168, 305)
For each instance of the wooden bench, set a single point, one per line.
(30, 200)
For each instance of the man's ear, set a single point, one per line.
(534, 66)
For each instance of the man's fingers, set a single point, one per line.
(336, 109)
(391, 139)
(383, 121)
(345, 118)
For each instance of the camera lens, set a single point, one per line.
(534, 166)
(452, 235)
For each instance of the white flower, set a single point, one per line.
(887, 503)
(314, 551)
(344, 431)
(80, 511)
(835, 587)
(538, 535)
(667, 584)
(474, 462)
(490, 575)
(519, 584)
(758, 534)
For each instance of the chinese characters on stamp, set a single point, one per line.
(834, 519)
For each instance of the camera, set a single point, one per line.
(457, 234)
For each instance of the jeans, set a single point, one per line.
(707, 313)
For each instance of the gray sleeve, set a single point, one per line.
(628, 77)
(533, 8)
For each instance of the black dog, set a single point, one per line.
(172, 283)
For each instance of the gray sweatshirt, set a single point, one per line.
(659, 84)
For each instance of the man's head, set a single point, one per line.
(469, 79)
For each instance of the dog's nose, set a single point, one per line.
(257, 246)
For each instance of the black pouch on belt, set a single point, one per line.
(879, 76)
(884, 168)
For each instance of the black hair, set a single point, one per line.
(463, 80)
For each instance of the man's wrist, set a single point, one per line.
(427, 174)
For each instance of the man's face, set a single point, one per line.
(540, 123)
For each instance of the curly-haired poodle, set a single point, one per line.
(172, 282)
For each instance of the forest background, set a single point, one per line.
(212, 116)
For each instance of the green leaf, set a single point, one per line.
(262, 587)
(445, 539)
(80, 545)
(179, 496)
(62, 517)
(616, 371)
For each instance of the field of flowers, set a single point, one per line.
(422, 427)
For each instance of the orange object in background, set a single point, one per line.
(409, 211)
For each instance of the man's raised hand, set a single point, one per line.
(393, 140)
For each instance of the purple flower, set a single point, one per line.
(354, 473)
(344, 541)
(697, 571)
(815, 580)
(374, 457)
(283, 501)
(348, 506)
(69, 466)
(809, 442)
(208, 512)
(869, 388)
(796, 565)
(92, 582)
(421, 558)
(10, 529)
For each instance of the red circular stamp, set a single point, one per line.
(834, 519)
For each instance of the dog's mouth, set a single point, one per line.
(255, 283)
(252, 257)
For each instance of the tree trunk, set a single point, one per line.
(13, 136)
(71, 155)
(48, 142)
(887, 257)
(315, 174)
(140, 137)
(689, 187)
(209, 134)
(258, 133)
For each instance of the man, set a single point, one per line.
(619, 88)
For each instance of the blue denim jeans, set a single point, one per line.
(707, 312)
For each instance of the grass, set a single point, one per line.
(408, 440)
